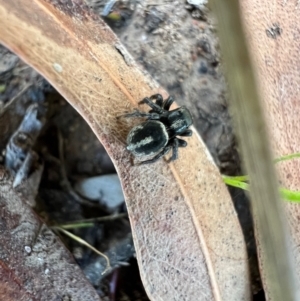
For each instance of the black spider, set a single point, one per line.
(157, 135)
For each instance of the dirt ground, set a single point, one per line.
(175, 42)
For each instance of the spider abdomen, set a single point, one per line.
(148, 138)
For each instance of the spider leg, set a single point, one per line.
(155, 107)
(175, 145)
(181, 143)
(177, 142)
(159, 100)
(158, 156)
(138, 113)
(187, 133)
(167, 103)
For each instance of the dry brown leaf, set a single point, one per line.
(34, 264)
(187, 237)
(273, 29)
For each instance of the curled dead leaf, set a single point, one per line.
(273, 32)
(187, 236)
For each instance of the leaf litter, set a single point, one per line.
(158, 261)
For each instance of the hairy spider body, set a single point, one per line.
(147, 139)
(157, 135)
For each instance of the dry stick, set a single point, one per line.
(65, 182)
(84, 243)
(275, 254)
(12, 100)
(89, 222)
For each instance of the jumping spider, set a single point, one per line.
(157, 135)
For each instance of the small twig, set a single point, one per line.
(84, 243)
(65, 182)
(50, 158)
(91, 221)
(12, 100)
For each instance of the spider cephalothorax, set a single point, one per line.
(157, 135)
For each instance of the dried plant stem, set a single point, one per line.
(12, 100)
(66, 185)
(84, 243)
(89, 222)
(274, 252)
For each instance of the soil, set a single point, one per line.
(175, 41)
